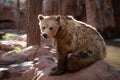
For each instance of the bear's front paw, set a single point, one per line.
(56, 72)
(54, 68)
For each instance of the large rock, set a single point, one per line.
(2, 34)
(26, 54)
(14, 71)
(10, 44)
(98, 71)
(2, 52)
(5, 46)
(22, 38)
(40, 70)
(6, 60)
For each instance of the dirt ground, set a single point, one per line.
(113, 52)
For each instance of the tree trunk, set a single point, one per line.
(18, 14)
(16, 9)
(32, 28)
(68, 7)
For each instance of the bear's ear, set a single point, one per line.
(58, 18)
(69, 17)
(40, 17)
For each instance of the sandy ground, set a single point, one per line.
(113, 52)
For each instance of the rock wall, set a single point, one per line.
(8, 16)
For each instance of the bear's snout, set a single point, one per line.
(45, 35)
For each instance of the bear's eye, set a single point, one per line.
(51, 28)
(43, 28)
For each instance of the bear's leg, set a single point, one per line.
(54, 68)
(72, 63)
(60, 69)
(81, 60)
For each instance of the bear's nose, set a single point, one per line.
(45, 35)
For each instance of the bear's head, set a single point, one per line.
(49, 25)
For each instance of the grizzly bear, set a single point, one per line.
(78, 44)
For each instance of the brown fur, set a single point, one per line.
(78, 44)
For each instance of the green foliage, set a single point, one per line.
(8, 1)
(17, 48)
(22, 1)
(10, 36)
(12, 1)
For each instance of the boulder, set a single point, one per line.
(40, 67)
(98, 71)
(2, 34)
(14, 71)
(6, 60)
(10, 44)
(5, 46)
(2, 52)
(26, 54)
(22, 38)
